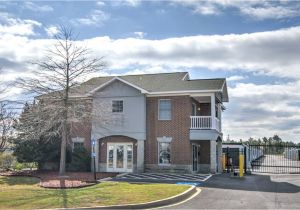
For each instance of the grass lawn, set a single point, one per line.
(24, 193)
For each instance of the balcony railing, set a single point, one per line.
(205, 122)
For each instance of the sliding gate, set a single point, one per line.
(276, 159)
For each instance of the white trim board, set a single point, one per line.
(112, 80)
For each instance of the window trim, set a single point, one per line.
(158, 117)
(77, 140)
(122, 106)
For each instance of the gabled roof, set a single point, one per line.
(151, 84)
(114, 79)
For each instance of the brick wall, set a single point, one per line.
(177, 128)
(81, 126)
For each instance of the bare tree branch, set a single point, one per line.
(65, 64)
(7, 118)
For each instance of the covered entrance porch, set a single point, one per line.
(117, 154)
(206, 156)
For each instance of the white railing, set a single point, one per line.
(205, 122)
(218, 124)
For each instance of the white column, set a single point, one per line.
(220, 116)
(213, 110)
(140, 156)
(97, 155)
(213, 161)
(219, 148)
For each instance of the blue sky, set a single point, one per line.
(254, 44)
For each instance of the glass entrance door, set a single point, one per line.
(119, 157)
(195, 150)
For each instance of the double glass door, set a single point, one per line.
(119, 157)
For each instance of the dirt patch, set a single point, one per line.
(51, 179)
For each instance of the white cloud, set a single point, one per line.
(133, 3)
(100, 3)
(256, 9)
(254, 110)
(140, 34)
(273, 53)
(271, 12)
(236, 78)
(201, 7)
(51, 31)
(130, 3)
(96, 18)
(263, 110)
(15, 26)
(37, 8)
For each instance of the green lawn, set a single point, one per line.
(24, 193)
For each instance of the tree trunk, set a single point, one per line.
(62, 165)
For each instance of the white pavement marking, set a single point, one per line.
(207, 177)
(166, 176)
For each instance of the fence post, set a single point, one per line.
(241, 164)
(227, 160)
(223, 161)
(245, 159)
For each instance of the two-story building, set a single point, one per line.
(153, 122)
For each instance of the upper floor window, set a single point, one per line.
(117, 106)
(164, 109)
(79, 111)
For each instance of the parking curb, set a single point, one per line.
(153, 204)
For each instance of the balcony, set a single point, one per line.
(205, 122)
(204, 127)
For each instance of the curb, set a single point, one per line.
(153, 204)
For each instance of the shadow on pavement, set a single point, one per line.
(262, 183)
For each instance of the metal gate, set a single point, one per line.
(277, 159)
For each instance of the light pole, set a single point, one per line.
(94, 157)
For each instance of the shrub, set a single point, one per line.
(7, 161)
(80, 160)
(20, 166)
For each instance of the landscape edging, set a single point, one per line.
(163, 202)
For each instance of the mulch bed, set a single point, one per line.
(51, 179)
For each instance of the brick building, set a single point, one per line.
(152, 122)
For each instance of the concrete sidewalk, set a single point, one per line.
(250, 192)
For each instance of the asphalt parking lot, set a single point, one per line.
(260, 191)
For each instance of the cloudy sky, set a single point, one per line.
(254, 44)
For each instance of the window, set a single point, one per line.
(78, 142)
(164, 154)
(79, 111)
(77, 145)
(164, 112)
(117, 106)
